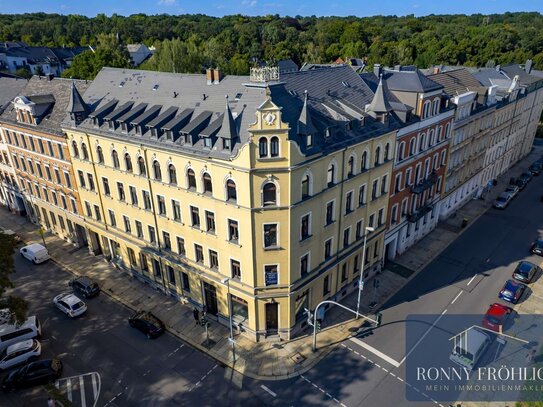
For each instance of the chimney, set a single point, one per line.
(217, 75)
(209, 76)
(528, 66)
(397, 67)
(498, 67)
(377, 70)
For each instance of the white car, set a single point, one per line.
(35, 252)
(70, 304)
(20, 352)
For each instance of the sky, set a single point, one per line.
(219, 8)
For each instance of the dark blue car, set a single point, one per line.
(512, 291)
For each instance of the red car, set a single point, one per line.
(496, 316)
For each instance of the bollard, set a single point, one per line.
(465, 222)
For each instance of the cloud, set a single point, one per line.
(250, 3)
(167, 2)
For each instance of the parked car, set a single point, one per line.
(537, 247)
(39, 372)
(520, 182)
(70, 304)
(535, 168)
(502, 200)
(13, 333)
(468, 353)
(526, 176)
(35, 252)
(20, 352)
(525, 271)
(512, 291)
(147, 323)
(496, 317)
(512, 190)
(85, 286)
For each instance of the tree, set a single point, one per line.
(23, 73)
(16, 305)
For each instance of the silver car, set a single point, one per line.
(512, 190)
(20, 352)
(502, 200)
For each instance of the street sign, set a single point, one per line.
(361, 285)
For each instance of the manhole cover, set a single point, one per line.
(277, 346)
(298, 358)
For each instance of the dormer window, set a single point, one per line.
(169, 135)
(207, 142)
(226, 144)
(309, 140)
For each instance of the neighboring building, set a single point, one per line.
(421, 154)
(47, 187)
(287, 66)
(138, 53)
(271, 187)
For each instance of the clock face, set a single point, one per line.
(269, 118)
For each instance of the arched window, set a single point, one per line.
(422, 139)
(191, 179)
(269, 194)
(364, 161)
(128, 162)
(208, 186)
(401, 151)
(387, 152)
(436, 105)
(100, 155)
(350, 166)
(156, 171)
(306, 186)
(331, 175)
(274, 147)
(172, 174)
(231, 193)
(263, 147)
(431, 138)
(141, 166)
(426, 109)
(412, 146)
(75, 149)
(115, 159)
(84, 151)
(447, 128)
(377, 155)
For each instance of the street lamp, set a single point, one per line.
(369, 229)
(231, 339)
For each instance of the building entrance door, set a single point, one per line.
(210, 294)
(272, 320)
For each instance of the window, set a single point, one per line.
(384, 188)
(55, 199)
(377, 156)
(328, 249)
(443, 157)
(176, 210)
(271, 276)
(387, 152)
(112, 220)
(344, 272)
(263, 147)
(329, 212)
(408, 177)
(210, 221)
(195, 216)
(394, 214)
(326, 286)
(374, 189)
(304, 265)
(128, 162)
(401, 151)
(305, 186)
(156, 171)
(350, 167)
(305, 227)
(172, 174)
(105, 183)
(132, 257)
(74, 205)
(346, 237)
(141, 166)
(236, 269)
(38, 168)
(213, 259)
(274, 147)
(57, 175)
(208, 186)
(380, 217)
(364, 162)
(330, 175)
(398, 183)
(52, 152)
(143, 261)
(358, 233)
(269, 194)
(362, 195)
(356, 268)
(180, 245)
(75, 150)
(161, 202)
(97, 213)
(127, 228)
(84, 150)
(63, 199)
(47, 171)
(115, 159)
(120, 191)
(66, 178)
(421, 141)
(171, 275)
(412, 146)
(233, 231)
(199, 252)
(91, 182)
(152, 234)
(100, 155)
(270, 235)
(376, 250)
(231, 194)
(349, 202)
(191, 179)
(146, 200)
(81, 178)
(166, 242)
(186, 282)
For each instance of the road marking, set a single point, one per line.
(376, 352)
(66, 387)
(266, 389)
(82, 391)
(321, 390)
(473, 278)
(94, 385)
(69, 389)
(203, 378)
(174, 351)
(423, 336)
(457, 295)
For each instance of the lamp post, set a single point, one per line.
(231, 339)
(368, 229)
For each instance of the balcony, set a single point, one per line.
(425, 184)
(423, 210)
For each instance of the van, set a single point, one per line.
(11, 333)
(36, 253)
(469, 347)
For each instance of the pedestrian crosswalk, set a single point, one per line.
(82, 390)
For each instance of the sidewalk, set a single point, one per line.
(265, 360)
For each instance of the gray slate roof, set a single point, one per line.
(409, 80)
(379, 103)
(10, 86)
(373, 82)
(54, 93)
(525, 78)
(456, 82)
(490, 76)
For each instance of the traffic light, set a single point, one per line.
(378, 318)
(318, 325)
(203, 320)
